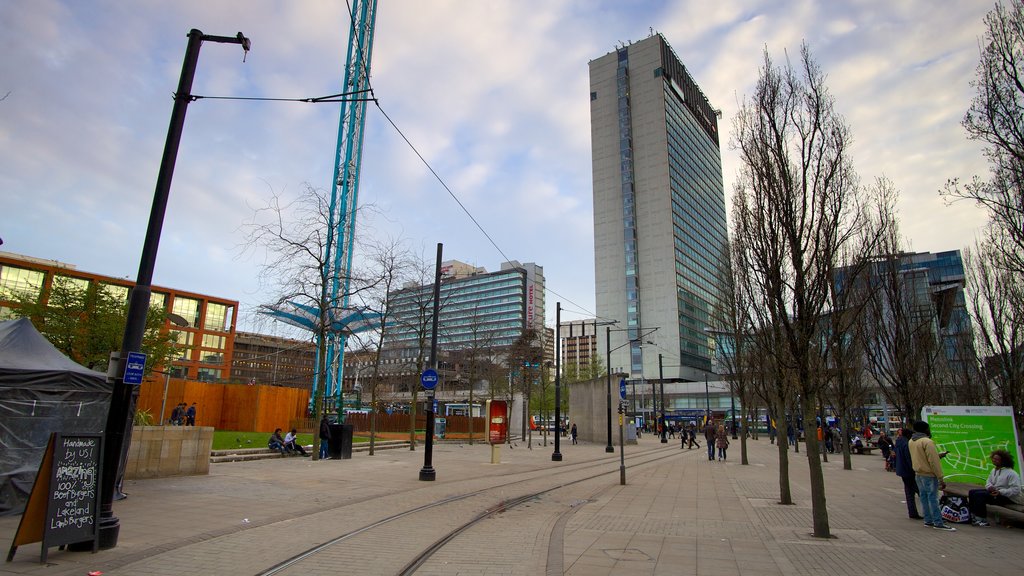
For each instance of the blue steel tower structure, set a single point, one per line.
(345, 187)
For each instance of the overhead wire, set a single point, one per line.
(338, 98)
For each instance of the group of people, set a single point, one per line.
(286, 445)
(716, 437)
(918, 463)
(183, 415)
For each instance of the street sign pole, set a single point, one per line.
(429, 377)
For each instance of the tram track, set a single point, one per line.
(453, 515)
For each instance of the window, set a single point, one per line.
(119, 293)
(78, 285)
(218, 317)
(214, 342)
(212, 358)
(187, 308)
(16, 282)
(209, 374)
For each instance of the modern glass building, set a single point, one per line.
(205, 344)
(479, 309)
(659, 210)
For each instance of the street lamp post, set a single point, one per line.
(177, 321)
(120, 412)
(608, 386)
(707, 400)
(661, 383)
(556, 456)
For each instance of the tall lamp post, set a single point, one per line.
(120, 413)
(556, 456)
(608, 385)
(661, 383)
(608, 370)
(707, 400)
(177, 321)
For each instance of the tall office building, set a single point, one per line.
(479, 309)
(659, 210)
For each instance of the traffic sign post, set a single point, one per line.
(134, 368)
(622, 389)
(429, 380)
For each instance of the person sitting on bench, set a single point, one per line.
(276, 442)
(1003, 487)
(291, 445)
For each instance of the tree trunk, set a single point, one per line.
(373, 418)
(782, 441)
(320, 377)
(819, 512)
(412, 418)
(743, 443)
(471, 411)
(844, 443)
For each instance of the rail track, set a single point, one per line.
(471, 525)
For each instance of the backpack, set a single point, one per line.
(954, 509)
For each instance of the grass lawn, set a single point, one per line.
(227, 439)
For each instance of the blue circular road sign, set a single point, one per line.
(429, 379)
(622, 388)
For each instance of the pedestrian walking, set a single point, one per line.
(928, 470)
(709, 437)
(573, 433)
(721, 442)
(885, 444)
(905, 470)
(325, 436)
(190, 415)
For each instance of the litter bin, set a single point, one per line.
(340, 444)
(440, 424)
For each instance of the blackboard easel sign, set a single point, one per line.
(63, 507)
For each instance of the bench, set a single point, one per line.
(1004, 514)
(866, 449)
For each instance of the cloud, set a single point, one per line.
(493, 94)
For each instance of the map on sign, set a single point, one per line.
(970, 434)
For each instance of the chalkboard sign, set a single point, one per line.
(63, 506)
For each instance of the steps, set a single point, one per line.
(247, 454)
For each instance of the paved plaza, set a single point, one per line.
(679, 515)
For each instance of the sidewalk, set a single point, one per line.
(684, 515)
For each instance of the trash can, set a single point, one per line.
(340, 444)
(440, 424)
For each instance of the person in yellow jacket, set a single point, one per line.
(928, 469)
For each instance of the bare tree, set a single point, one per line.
(733, 325)
(389, 261)
(799, 203)
(996, 303)
(524, 357)
(292, 239)
(996, 118)
(849, 303)
(901, 331)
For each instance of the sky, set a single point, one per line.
(493, 94)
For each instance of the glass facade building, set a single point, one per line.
(478, 309)
(204, 345)
(659, 209)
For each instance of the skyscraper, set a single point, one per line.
(659, 209)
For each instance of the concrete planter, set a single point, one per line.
(159, 451)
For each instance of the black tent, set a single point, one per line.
(41, 391)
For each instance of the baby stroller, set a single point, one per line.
(890, 462)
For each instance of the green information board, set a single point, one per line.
(970, 434)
